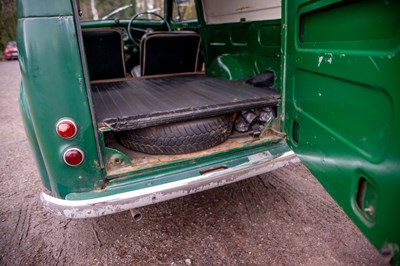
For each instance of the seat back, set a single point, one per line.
(104, 53)
(169, 52)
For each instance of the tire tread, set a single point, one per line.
(179, 138)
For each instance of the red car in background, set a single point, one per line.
(11, 51)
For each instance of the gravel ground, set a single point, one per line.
(281, 218)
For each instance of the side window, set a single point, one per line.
(184, 10)
(119, 9)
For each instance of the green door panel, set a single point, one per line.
(43, 8)
(341, 95)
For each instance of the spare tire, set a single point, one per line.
(179, 138)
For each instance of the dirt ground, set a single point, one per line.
(281, 218)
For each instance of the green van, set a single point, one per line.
(129, 103)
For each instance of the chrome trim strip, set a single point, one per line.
(78, 209)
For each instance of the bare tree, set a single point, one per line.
(8, 21)
(94, 10)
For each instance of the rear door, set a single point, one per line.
(341, 102)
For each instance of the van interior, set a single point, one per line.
(167, 89)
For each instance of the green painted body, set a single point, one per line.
(239, 50)
(30, 133)
(53, 88)
(336, 65)
(46, 8)
(342, 107)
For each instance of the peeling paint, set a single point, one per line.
(374, 63)
(320, 59)
(151, 195)
(327, 59)
(224, 67)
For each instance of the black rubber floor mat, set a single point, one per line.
(133, 104)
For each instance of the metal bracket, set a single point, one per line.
(115, 159)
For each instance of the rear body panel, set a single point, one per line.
(129, 193)
(55, 85)
(53, 88)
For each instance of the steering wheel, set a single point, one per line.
(136, 40)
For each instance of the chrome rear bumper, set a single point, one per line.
(96, 207)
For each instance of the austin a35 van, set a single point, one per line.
(130, 103)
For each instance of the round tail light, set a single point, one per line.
(66, 128)
(73, 157)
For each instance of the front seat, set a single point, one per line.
(168, 53)
(104, 53)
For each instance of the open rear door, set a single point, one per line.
(341, 105)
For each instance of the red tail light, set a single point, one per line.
(66, 128)
(73, 157)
